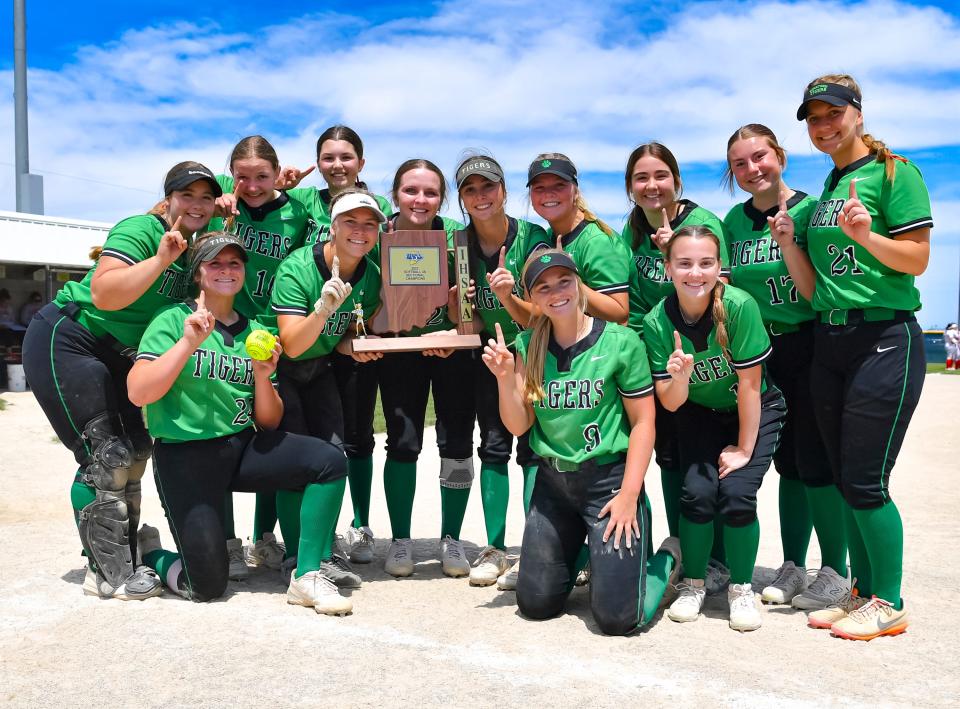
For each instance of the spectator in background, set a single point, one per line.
(951, 343)
(30, 308)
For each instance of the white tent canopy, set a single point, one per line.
(50, 241)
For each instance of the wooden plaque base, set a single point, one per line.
(415, 344)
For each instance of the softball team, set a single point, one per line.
(784, 334)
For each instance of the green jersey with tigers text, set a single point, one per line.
(651, 283)
(300, 280)
(269, 233)
(212, 395)
(756, 264)
(131, 241)
(849, 276)
(582, 414)
(523, 238)
(317, 202)
(439, 319)
(713, 381)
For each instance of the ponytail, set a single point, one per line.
(720, 318)
(581, 204)
(94, 253)
(536, 357)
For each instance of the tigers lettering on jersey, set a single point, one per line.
(827, 213)
(265, 243)
(173, 284)
(582, 394)
(749, 252)
(225, 368)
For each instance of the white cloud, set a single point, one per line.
(588, 78)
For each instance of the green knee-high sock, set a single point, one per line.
(360, 474)
(659, 567)
(264, 514)
(81, 495)
(289, 504)
(495, 493)
(882, 531)
(826, 511)
(160, 560)
(453, 507)
(647, 510)
(399, 487)
(696, 539)
(742, 544)
(795, 521)
(529, 480)
(318, 518)
(672, 483)
(228, 526)
(718, 552)
(860, 567)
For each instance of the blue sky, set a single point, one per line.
(120, 91)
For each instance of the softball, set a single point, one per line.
(260, 344)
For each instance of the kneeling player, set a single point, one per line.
(582, 387)
(204, 395)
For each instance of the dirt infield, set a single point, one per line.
(429, 640)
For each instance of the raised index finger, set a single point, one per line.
(201, 301)
(304, 173)
(500, 340)
(666, 219)
(503, 255)
(783, 200)
(176, 224)
(677, 341)
(335, 270)
(853, 189)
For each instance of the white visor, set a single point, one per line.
(355, 200)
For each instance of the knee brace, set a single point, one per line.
(456, 473)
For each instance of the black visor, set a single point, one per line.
(834, 94)
(543, 263)
(552, 166)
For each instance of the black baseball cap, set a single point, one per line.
(552, 166)
(479, 165)
(184, 175)
(542, 263)
(207, 248)
(834, 94)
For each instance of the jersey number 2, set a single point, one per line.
(591, 434)
(243, 414)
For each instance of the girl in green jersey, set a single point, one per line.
(707, 345)
(406, 380)
(768, 244)
(868, 238)
(77, 352)
(340, 161)
(582, 389)
(214, 412)
(499, 246)
(654, 185)
(271, 226)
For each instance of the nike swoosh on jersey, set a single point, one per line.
(881, 350)
(596, 357)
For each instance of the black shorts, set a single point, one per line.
(866, 382)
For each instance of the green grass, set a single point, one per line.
(940, 369)
(380, 424)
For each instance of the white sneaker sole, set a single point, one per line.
(776, 596)
(455, 572)
(90, 588)
(343, 606)
(745, 628)
(682, 618)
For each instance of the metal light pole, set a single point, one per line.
(29, 187)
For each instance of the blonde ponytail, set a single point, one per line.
(720, 318)
(581, 204)
(536, 357)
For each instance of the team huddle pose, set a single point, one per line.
(214, 333)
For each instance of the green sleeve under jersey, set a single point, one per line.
(849, 276)
(213, 394)
(582, 415)
(300, 280)
(713, 382)
(757, 265)
(523, 238)
(131, 241)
